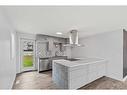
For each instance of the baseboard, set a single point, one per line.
(13, 82)
(119, 79)
(125, 78)
(25, 71)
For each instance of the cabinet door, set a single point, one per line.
(78, 78)
(92, 72)
(96, 70)
(50, 45)
(101, 70)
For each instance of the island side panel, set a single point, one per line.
(60, 75)
(78, 76)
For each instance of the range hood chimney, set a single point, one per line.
(73, 39)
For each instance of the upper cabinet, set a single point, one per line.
(50, 45)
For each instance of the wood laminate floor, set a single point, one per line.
(35, 80)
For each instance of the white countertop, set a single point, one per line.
(82, 61)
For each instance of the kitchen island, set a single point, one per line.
(75, 74)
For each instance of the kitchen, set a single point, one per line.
(54, 50)
(50, 48)
(63, 47)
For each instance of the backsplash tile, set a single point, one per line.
(43, 43)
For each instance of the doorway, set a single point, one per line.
(27, 54)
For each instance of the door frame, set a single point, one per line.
(23, 69)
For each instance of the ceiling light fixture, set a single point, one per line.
(59, 33)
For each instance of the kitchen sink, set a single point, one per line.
(72, 59)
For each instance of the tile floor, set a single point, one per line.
(35, 80)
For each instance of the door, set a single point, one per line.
(27, 54)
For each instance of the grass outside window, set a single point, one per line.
(28, 61)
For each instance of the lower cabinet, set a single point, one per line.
(86, 74)
(96, 71)
(77, 76)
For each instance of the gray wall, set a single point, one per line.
(107, 45)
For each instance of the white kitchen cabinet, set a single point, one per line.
(92, 72)
(78, 77)
(50, 45)
(96, 71)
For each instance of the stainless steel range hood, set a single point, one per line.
(73, 39)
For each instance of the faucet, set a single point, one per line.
(56, 53)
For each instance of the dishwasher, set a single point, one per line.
(44, 64)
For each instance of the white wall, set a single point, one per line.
(107, 45)
(7, 57)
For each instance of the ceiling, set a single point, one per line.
(88, 20)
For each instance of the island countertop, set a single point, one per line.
(82, 61)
